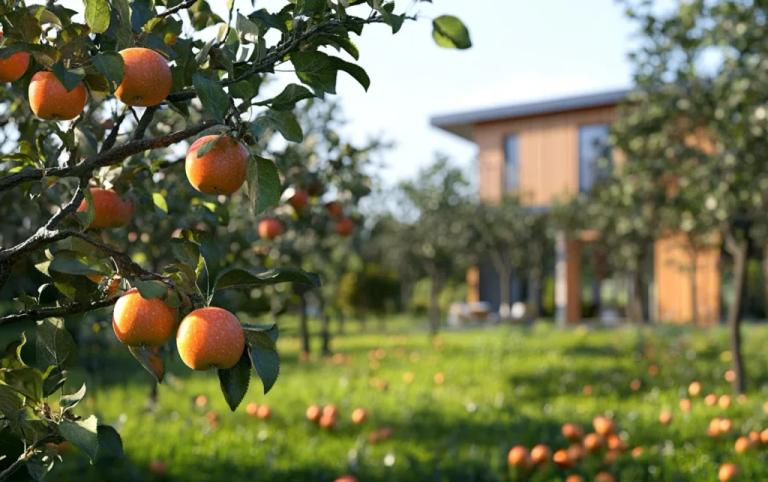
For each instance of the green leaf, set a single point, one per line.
(151, 289)
(264, 186)
(10, 402)
(159, 201)
(70, 262)
(82, 433)
(215, 101)
(234, 381)
(187, 252)
(246, 29)
(149, 358)
(70, 401)
(282, 121)
(39, 465)
(54, 346)
(263, 352)
(110, 65)
(110, 443)
(97, 15)
(68, 77)
(317, 70)
(357, 72)
(286, 100)
(240, 278)
(449, 32)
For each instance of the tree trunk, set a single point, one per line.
(738, 250)
(325, 329)
(637, 302)
(434, 304)
(505, 304)
(304, 325)
(692, 273)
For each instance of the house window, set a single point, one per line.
(594, 151)
(511, 163)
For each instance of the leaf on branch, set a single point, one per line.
(82, 433)
(54, 346)
(264, 186)
(246, 29)
(68, 77)
(283, 122)
(186, 252)
(151, 289)
(262, 348)
(215, 101)
(240, 278)
(160, 203)
(97, 15)
(111, 66)
(287, 99)
(110, 443)
(68, 402)
(70, 262)
(10, 402)
(449, 32)
(150, 359)
(317, 70)
(234, 381)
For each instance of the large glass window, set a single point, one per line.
(594, 151)
(511, 163)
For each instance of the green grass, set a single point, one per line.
(503, 386)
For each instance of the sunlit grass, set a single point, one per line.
(502, 386)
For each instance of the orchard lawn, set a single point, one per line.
(455, 407)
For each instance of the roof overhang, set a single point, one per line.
(462, 123)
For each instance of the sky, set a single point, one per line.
(523, 51)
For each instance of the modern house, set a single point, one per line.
(547, 151)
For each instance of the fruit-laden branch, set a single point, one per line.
(108, 158)
(278, 52)
(36, 314)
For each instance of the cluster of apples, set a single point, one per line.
(603, 442)
(271, 227)
(327, 417)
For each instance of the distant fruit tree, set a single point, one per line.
(98, 107)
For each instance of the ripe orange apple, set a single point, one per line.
(263, 412)
(694, 388)
(334, 208)
(109, 209)
(562, 459)
(665, 417)
(359, 415)
(603, 425)
(210, 337)
(685, 405)
(346, 478)
(13, 67)
(592, 442)
(201, 401)
(572, 432)
(298, 200)
(604, 477)
(344, 227)
(146, 79)
(270, 228)
(728, 471)
(220, 169)
(724, 402)
(50, 100)
(313, 413)
(139, 321)
(518, 457)
(252, 409)
(540, 454)
(710, 400)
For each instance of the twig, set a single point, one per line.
(110, 157)
(181, 6)
(55, 311)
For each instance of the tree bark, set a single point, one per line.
(765, 281)
(341, 317)
(739, 251)
(637, 301)
(325, 330)
(304, 324)
(434, 304)
(505, 305)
